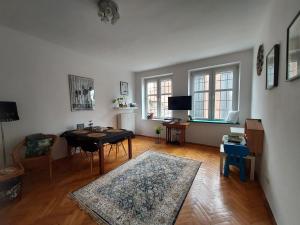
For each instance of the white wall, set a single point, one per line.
(202, 133)
(34, 73)
(279, 110)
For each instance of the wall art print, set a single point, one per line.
(82, 93)
(293, 49)
(272, 67)
(123, 88)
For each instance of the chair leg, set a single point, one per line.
(50, 168)
(117, 149)
(242, 169)
(110, 150)
(92, 160)
(226, 167)
(123, 148)
(86, 155)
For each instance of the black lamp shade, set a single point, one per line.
(8, 111)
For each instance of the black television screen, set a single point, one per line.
(180, 103)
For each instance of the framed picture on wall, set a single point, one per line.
(272, 67)
(123, 88)
(293, 49)
(82, 93)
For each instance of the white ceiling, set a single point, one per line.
(149, 34)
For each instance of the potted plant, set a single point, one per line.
(158, 131)
(150, 116)
(120, 102)
(115, 102)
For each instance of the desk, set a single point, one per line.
(176, 126)
(106, 136)
(223, 155)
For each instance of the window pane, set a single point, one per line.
(200, 105)
(201, 82)
(223, 104)
(151, 88)
(164, 107)
(152, 105)
(293, 68)
(224, 80)
(166, 86)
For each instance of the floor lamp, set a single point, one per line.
(8, 112)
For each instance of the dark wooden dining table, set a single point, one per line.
(100, 138)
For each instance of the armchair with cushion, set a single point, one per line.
(35, 148)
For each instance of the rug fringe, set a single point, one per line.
(91, 213)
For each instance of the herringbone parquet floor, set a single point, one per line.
(212, 200)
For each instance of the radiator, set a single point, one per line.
(126, 121)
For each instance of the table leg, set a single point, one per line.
(252, 169)
(69, 147)
(166, 135)
(221, 163)
(182, 136)
(129, 148)
(101, 159)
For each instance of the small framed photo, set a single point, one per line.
(123, 88)
(293, 49)
(272, 67)
(80, 126)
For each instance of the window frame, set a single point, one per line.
(192, 92)
(212, 71)
(158, 80)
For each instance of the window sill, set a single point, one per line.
(212, 122)
(159, 120)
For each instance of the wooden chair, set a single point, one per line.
(90, 147)
(117, 145)
(16, 154)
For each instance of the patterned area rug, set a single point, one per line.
(147, 190)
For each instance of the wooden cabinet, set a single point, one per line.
(254, 134)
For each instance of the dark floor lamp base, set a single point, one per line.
(3, 146)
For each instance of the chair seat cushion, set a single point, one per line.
(37, 145)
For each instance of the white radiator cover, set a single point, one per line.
(126, 121)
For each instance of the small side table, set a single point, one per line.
(175, 126)
(10, 183)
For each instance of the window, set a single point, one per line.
(293, 68)
(157, 92)
(214, 92)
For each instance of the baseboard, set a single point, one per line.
(269, 210)
(152, 137)
(266, 202)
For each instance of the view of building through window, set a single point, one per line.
(157, 92)
(201, 96)
(223, 94)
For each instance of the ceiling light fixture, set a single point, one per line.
(108, 11)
